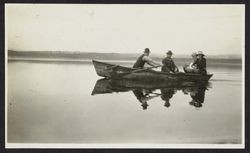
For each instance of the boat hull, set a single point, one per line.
(117, 72)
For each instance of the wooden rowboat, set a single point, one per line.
(118, 72)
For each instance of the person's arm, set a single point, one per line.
(204, 63)
(190, 65)
(204, 66)
(156, 63)
(194, 63)
(175, 68)
(151, 61)
(163, 61)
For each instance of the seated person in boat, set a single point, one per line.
(144, 58)
(191, 68)
(201, 63)
(168, 64)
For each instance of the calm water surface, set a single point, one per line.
(52, 103)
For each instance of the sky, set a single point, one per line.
(126, 28)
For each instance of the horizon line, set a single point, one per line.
(112, 52)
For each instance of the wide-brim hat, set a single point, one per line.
(200, 53)
(169, 52)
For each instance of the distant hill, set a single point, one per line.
(235, 59)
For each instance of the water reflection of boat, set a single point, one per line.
(120, 72)
(145, 92)
(110, 85)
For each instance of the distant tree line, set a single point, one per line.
(114, 56)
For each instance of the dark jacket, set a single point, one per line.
(201, 65)
(139, 62)
(168, 65)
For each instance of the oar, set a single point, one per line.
(138, 70)
(157, 94)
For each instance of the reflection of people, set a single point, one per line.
(201, 63)
(168, 64)
(144, 58)
(191, 68)
(143, 97)
(198, 97)
(167, 94)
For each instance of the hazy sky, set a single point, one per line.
(214, 29)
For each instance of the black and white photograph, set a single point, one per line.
(124, 75)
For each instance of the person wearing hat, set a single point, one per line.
(191, 68)
(168, 64)
(144, 58)
(201, 63)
